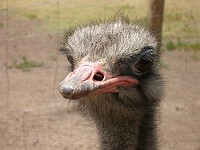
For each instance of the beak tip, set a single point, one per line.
(65, 90)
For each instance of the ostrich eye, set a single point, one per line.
(67, 52)
(70, 59)
(145, 60)
(143, 65)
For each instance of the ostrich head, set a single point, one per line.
(114, 78)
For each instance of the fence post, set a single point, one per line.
(155, 18)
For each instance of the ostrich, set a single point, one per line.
(115, 81)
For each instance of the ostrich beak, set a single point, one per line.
(89, 78)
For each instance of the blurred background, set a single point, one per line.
(34, 116)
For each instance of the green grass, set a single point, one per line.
(1, 25)
(196, 56)
(178, 108)
(52, 57)
(163, 65)
(181, 45)
(26, 65)
(170, 45)
(73, 12)
(181, 28)
(31, 16)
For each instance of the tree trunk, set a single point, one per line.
(155, 18)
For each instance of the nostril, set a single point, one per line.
(98, 76)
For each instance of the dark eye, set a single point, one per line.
(143, 65)
(145, 60)
(67, 52)
(70, 59)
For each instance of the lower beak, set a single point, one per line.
(90, 79)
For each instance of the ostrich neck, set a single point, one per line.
(121, 126)
(121, 136)
(138, 134)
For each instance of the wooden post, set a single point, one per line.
(155, 18)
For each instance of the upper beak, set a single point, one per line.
(89, 78)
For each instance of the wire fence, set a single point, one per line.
(34, 115)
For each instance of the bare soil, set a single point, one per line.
(34, 116)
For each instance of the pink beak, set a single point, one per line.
(89, 78)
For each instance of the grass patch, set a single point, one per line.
(26, 65)
(1, 25)
(163, 65)
(31, 16)
(52, 57)
(181, 45)
(73, 13)
(127, 6)
(170, 45)
(196, 57)
(180, 19)
(179, 16)
(178, 108)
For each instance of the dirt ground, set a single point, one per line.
(34, 116)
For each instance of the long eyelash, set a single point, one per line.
(69, 56)
(63, 49)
